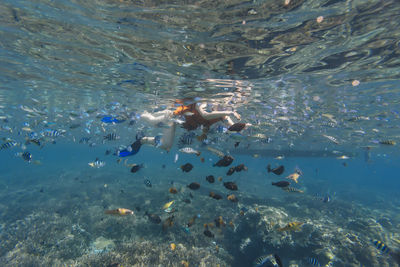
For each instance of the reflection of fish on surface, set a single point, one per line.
(268, 261)
(111, 137)
(119, 211)
(292, 226)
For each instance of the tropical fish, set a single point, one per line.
(189, 150)
(168, 204)
(331, 138)
(216, 151)
(215, 196)
(52, 133)
(268, 260)
(241, 167)
(154, 218)
(281, 184)
(219, 221)
(231, 186)
(232, 198)
(147, 183)
(25, 156)
(173, 190)
(210, 179)
(313, 262)
(194, 186)
(294, 176)
(278, 170)
(230, 171)
(119, 211)
(185, 139)
(387, 142)
(187, 167)
(33, 141)
(225, 161)
(97, 163)
(292, 190)
(136, 167)
(8, 145)
(380, 246)
(292, 226)
(111, 137)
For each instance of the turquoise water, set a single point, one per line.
(317, 81)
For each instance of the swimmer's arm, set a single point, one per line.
(212, 115)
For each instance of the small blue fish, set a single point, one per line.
(52, 133)
(313, 262)
(380, 246)
(147, 183)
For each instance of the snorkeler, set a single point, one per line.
(195, 115)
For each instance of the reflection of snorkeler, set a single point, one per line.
(195, 115)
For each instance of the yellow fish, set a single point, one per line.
(292, 226)
(293, 177)
(167, 205)
(119, 211)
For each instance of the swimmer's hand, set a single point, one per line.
(237, 115)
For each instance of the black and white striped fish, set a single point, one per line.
(380, 246)
(147, 183)
(25, 156)
(111, 137)
(8, 145)
(313, 262)
(185, 139)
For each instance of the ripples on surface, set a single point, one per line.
(293, 67)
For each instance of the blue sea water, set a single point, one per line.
(317, 81)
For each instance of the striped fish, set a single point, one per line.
(8, 145)
(313, 262)
(185, 139)
(387, 142)
(268, 260)
(381, 246)
(331, 138)
(26, 156)
(111, 137)
(147, 183)
(97, 163)
(292, 190)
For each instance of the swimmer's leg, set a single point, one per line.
(168, 137)
(158, 117)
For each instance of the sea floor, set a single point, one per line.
(61, 222)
